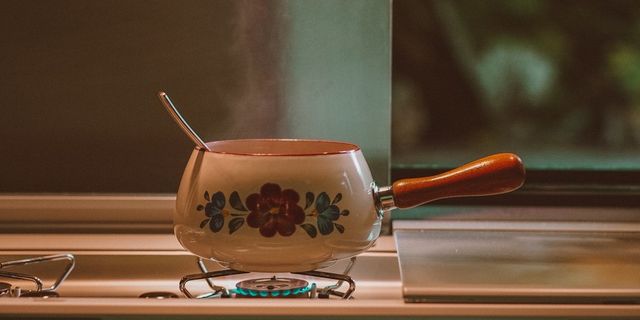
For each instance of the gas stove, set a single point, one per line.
(111, 276)
(130, 274)
(273, 286)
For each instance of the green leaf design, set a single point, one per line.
(235, 224)
(203, 223)
(344, 213)
(339, 227)
(332, 213)
(206, 195)
(310, 229)
(235, 202)
(199, 207)
(337, 198)
(309, 197)
(325, 225)
(218, 200)
(322, 202)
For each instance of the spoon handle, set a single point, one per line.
(177, 117)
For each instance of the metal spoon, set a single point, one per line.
(177, 117)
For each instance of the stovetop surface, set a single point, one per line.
(528, 262)
(110, 275)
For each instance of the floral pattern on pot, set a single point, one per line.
(214, 211)
(274, 211)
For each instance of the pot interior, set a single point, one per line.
(281, 147)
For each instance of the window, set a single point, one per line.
(557, 82)
(79, 84)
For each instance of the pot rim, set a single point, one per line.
(280, 147)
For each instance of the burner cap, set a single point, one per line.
(272, 287)
(158, 295)
(40, 294)
(4, 288)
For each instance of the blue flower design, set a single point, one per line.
(214, 211)
(328, 213)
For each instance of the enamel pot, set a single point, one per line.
(299, 205)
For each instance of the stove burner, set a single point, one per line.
(40, 294)
(4, 288)
(272, 287)
(158, 295)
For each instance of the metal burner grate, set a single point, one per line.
(6, 289)
(274, 287)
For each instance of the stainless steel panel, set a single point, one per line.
(519, 262)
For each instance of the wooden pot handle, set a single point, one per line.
(495, 174)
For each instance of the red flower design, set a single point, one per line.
(274, 210)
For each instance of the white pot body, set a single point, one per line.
(241, 210)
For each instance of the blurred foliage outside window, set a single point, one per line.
(556, 81)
